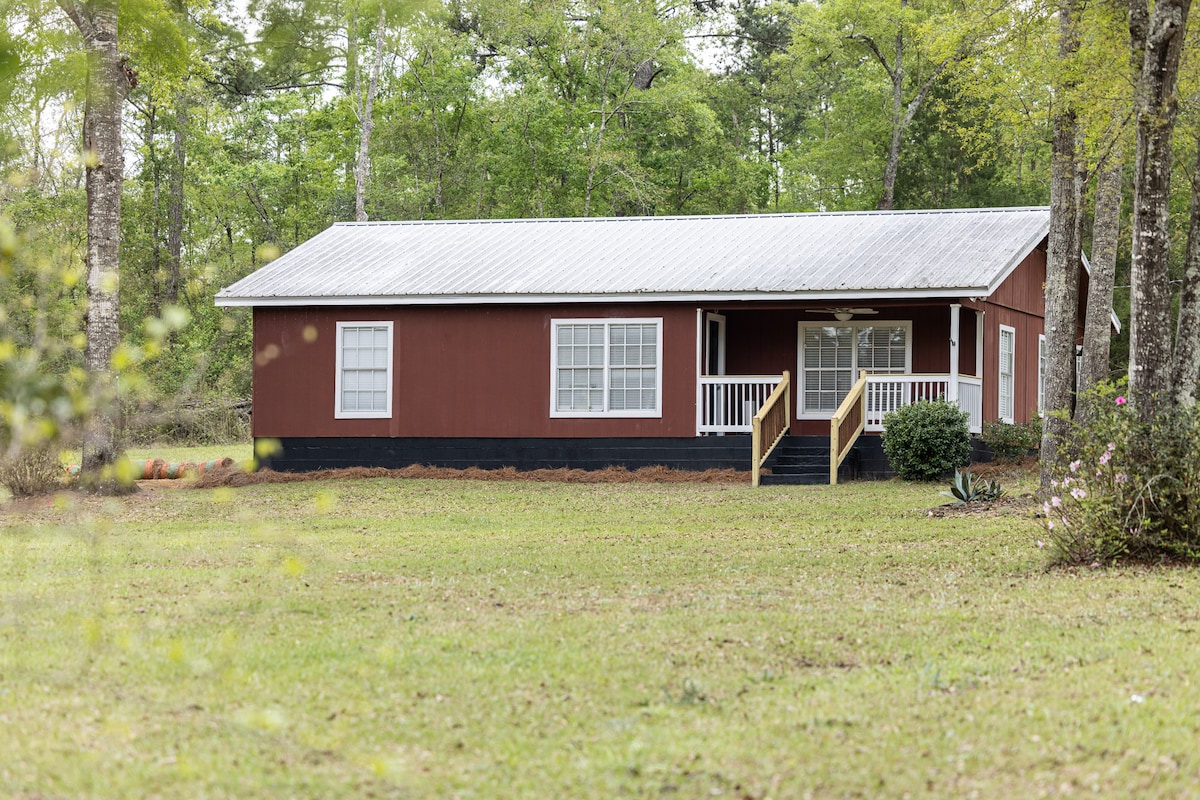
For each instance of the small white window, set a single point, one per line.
(1041, 375)
(1007, 383)
(606, 367)
(364, 370)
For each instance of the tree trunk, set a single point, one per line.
(1062, 262)
(1185, 372)
(1150, 306)
(892, 166)
(362, 171)
(1097, 329)
(108, 81)
(175, 206)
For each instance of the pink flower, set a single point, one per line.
(1041, 543)
(1121, 401)
(1078, 494)
(1121, 477)
(1056, 501)
(1075, 465)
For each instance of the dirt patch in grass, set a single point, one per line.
(1008, 505)
(233, 476)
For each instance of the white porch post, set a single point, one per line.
(699, 369)
(952, 383)
(979, 345)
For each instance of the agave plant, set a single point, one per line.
(966, 488)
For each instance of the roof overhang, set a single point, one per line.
(947, 293)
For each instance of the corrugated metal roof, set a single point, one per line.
(766, 256)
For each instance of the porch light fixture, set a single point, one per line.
(843, 316)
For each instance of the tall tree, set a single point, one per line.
(109, 79)
(365, 110)
(1185, 374)
(1156, 106)
(1062, 259)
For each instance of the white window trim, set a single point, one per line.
(338, 413)
(1000, 373)
(654, 413)
(854, 323)
(1041, 397)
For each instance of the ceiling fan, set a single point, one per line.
(842, 314)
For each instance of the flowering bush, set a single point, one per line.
(1133, 492)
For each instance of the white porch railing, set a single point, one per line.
(888, 392)
(728, 403)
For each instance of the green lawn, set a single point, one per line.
(466, 639)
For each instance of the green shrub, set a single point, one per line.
(1010, 442)
(1132, 492)
(926, 440)
(35, 470)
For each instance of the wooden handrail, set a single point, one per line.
(847, 424)
(770, 424)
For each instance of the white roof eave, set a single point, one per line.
(856, 295)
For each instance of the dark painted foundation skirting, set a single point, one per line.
(865, 461)
(701, 453)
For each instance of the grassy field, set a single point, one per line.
(385, 638)
(240, 451)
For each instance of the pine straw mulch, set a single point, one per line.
(1004, 472)
(1006, 506)
(235, 477)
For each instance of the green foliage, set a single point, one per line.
(1131, 492)
(926, 440)
(1009, 442)
(966, 488)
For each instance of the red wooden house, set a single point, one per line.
(638, 341)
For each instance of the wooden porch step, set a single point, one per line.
(802, 460)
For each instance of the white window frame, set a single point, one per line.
(803, 413)
(1012, 398)
(1041, 400)
(607, 322)
(338, 412)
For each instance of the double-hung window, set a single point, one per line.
(364, 370)
(606, 368)
(1007, 382)
(832, 355)
(1041, 407)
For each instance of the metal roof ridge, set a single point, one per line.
(681, 217)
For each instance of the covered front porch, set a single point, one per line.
(833, 372)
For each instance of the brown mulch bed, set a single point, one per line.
(232, 476)
(1007, 505)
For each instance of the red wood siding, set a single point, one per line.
(1025, 289)
(458, 372)
(1025, 362)
(1019, 303)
